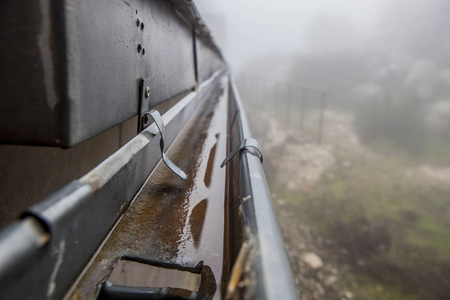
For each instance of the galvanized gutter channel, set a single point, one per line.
(49, 248)
(270, 275)
(173, 223)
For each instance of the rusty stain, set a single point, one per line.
(210, 242)
(173, 221)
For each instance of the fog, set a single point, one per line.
(351, 103)
(248, 29)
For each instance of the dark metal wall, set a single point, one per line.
(29, 173)
(111, 46)
(207, 60)
(71, 69)
(30, 81)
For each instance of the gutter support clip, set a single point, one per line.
(155, 115)
(247, 143)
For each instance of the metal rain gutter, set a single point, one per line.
(48, 249)
(268, 261)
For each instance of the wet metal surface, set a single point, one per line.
(269, 264)
(135, 274)
(80, 215)
(172, 221)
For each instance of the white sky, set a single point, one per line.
(249, 28)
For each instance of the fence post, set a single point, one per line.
(302, 109)
(323, 100)
(288, 94)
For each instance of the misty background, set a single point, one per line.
(351, 103)
(394, 52)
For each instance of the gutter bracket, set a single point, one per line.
(247, 143)
(144, 104)
(155, 115)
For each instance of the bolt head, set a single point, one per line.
(145, 119)
(147, 92)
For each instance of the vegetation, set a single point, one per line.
(389, 224)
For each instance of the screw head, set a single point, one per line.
(145, 120)
(147, 92)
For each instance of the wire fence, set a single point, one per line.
(289, 102)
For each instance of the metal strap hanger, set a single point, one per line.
(160, 124)
(247, 143)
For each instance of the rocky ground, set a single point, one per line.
(315, 276)
(295, 162)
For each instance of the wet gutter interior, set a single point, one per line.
(173, 223)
